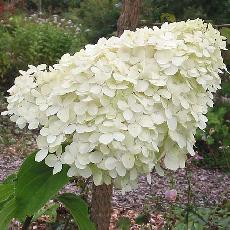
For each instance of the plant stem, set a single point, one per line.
(188, 198)
(101, 207)
(129, 16)
(27, 222)
(66, 224)
(201, 217)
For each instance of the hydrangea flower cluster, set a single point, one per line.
(123, 105)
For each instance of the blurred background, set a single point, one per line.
(41, 31)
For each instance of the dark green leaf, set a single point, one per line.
(142, 219)
(36, 185)
(7, 213)
(124, 223)
(79, 210)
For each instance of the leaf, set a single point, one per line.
(49, 210)
(7, 213)
(142, 219)
(36, 184)
(124, 223)
(6, 190)
(79, 210)
(10, 179)
(168, 17)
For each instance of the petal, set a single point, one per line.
(57, 167)
(110, 163)
(108, 92)
(106, 138)
(4, 113)
(177, 61)
(171, 70)
(41, 155)
(163, 56)
(158, 118)
(95, 157)
(137, 108)
(78, 165)
(86, 172)
(72, 172)
(83, 159)
(174, 160)
(172, 123)
(41, 142)
(128, 160)
(164, 93)
(51, 160)
(97, 177)
(113, 173)
(95, 89)
(119, 136)
(33, 125)
(121, 170)
(68, 158)
(133, 174)
(159, 170)
(70, 129)
(122, 105)
(128, 114)
(63, 114)
(92, 109)
(146, 121)
(80, 108)
(141, 86)
(44, 131)
(83, 148)
(134, 129)
(51, 139)
(190, 149)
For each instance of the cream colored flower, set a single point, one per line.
(124, 103)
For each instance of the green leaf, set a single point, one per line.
(6, 190)
(7, 213)
(10, 179)
(210, 140)
(78, 209)
(36, 185)
(49, 210)
(124, 223)
(142, 219)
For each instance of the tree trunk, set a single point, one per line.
(129, 17)
(101, 207)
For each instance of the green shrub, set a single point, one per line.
(98, 18)
(23, 43)
(213, 143)
(5, 41)
(215, 10)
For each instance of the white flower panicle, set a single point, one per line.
(125, 104)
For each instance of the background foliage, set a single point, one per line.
(24, 42)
